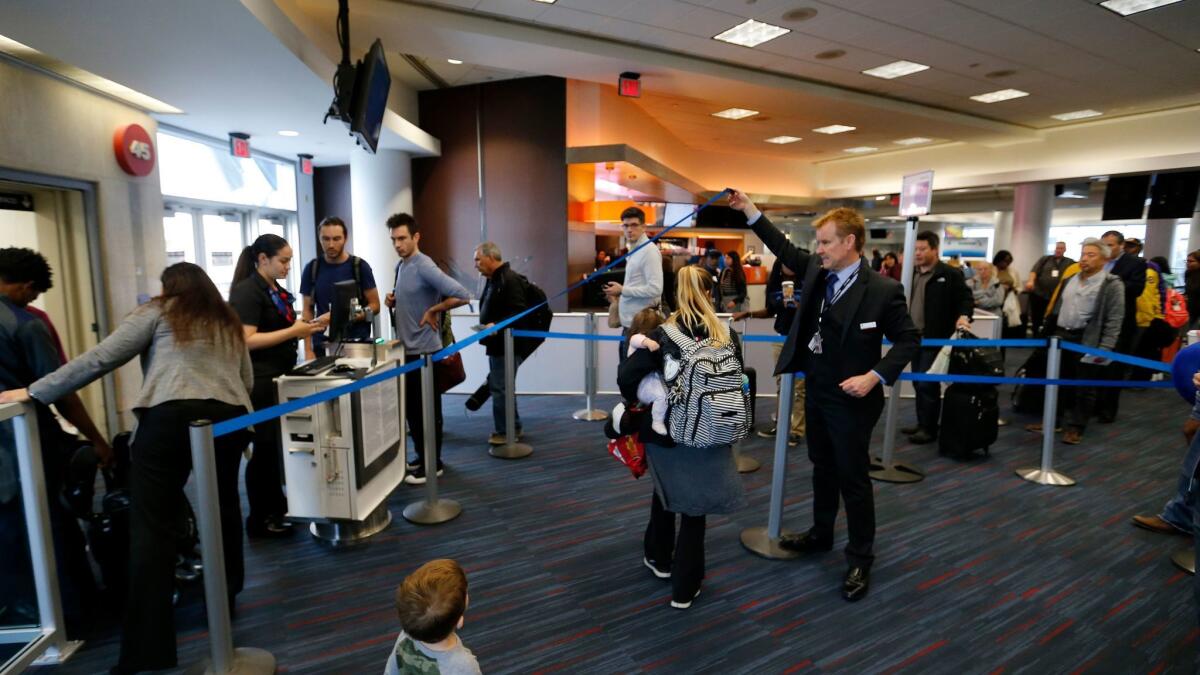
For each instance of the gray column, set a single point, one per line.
(1160, 238)
(1033, 207)
(307, 247)
(380, 185)
(1194, 234)
(1002, 223)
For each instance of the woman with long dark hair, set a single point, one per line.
(689, 481)
(272, 331)
(732, 287)
(194, 366)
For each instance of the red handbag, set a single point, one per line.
(448, 373)
(629, 451)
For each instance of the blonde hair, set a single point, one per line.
(848, 222)
(695, 304)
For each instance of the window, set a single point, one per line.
(197, 170)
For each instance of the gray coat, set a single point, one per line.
(696, 481)
(1104, 328)
(170, 372)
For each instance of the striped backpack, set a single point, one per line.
(710, 403)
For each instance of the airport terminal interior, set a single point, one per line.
(352, 170)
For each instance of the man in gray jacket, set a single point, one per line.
(643, 285)
(1088, 309)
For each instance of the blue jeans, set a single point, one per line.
(1179, 512)
(1195, 494)
(496, 386)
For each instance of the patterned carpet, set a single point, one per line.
(977, 570)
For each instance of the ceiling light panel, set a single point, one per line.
(999, 95)
(1127, 7)
(546, 2)
(1077, 115)
(454, 62)
(735, 113)
(781, 140)
(834, 129)
(915, 140)
(897, 69)
(751, 33)
(858, 150)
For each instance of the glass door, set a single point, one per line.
(224, 237)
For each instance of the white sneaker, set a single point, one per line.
(684, 605)
(654, 570)
(659, 428)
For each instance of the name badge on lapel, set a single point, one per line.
(866, 326)
(941, 280)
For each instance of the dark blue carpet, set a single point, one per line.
(977, 570)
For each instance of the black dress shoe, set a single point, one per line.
(804, 543)
(856, 584)
(271, 528)
(909, 431)
(922, 437)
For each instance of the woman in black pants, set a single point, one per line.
(272, 331)
(689, 481)
(194, 366)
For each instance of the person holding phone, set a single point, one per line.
(272, 333)
(643, 284)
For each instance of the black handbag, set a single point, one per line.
(977, 361)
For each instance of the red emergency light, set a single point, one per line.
(630, 84)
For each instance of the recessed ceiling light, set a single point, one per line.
(454, 62)
(288, 132)
(780, 140)
(915, 140)
(896, 69)
(831, 54)
(1077, 115)
(800, 14)
(881, 198)
(858, 150)
(1000, 95)
(1127, 7)
(546, 2)
(834, 129)
(751, 33)
(735, 113)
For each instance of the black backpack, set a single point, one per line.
(539, 319)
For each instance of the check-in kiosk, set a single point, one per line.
(344, 457)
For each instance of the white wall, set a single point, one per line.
(51, 127)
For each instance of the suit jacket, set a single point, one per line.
(870, 309)
(947, 297)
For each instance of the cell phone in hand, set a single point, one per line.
(478, 327)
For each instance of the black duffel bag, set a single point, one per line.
(978, 361)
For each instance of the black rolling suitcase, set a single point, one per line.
(970, 416)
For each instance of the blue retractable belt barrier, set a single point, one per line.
(564, 336)
(244, 421)
(986, 379)
(1123, 358)
(231, 425)
(976, 342)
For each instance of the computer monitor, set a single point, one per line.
(341, 312)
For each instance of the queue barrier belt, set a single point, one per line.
(564, 336)
(243, 421)
(1123, 358)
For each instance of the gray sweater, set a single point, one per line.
(1103, 329)
(199, 369)
(420, 284)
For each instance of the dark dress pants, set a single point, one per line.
(1037, 312)
(413, 411)
(1078, 403)
(1108, 400)
(839, 439)
(161, 462)
(682, 553)
(264, 471)
(929, 394)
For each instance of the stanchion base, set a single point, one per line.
(435, 513)
(1185, 560)
(746, 464)
(511, 451)
(757, 541)
(348, 533)
(898, 472)
(55, 657)
(1034, 474)
(592, 415)
(246, 661)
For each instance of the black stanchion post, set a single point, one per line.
(431, 510)
(1045, 474)
(224, 658)
(765, 541)
(589, 414)
(511, 448)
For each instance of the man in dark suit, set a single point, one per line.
(939, 303)
(1132, 271)
(836, 339)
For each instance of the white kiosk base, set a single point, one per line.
(343, 458)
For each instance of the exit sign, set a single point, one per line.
(239, 144)
(630, 84)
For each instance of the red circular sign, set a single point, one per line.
(134, 150)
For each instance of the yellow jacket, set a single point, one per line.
(1149, 303)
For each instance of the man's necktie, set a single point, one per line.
(830, 284)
